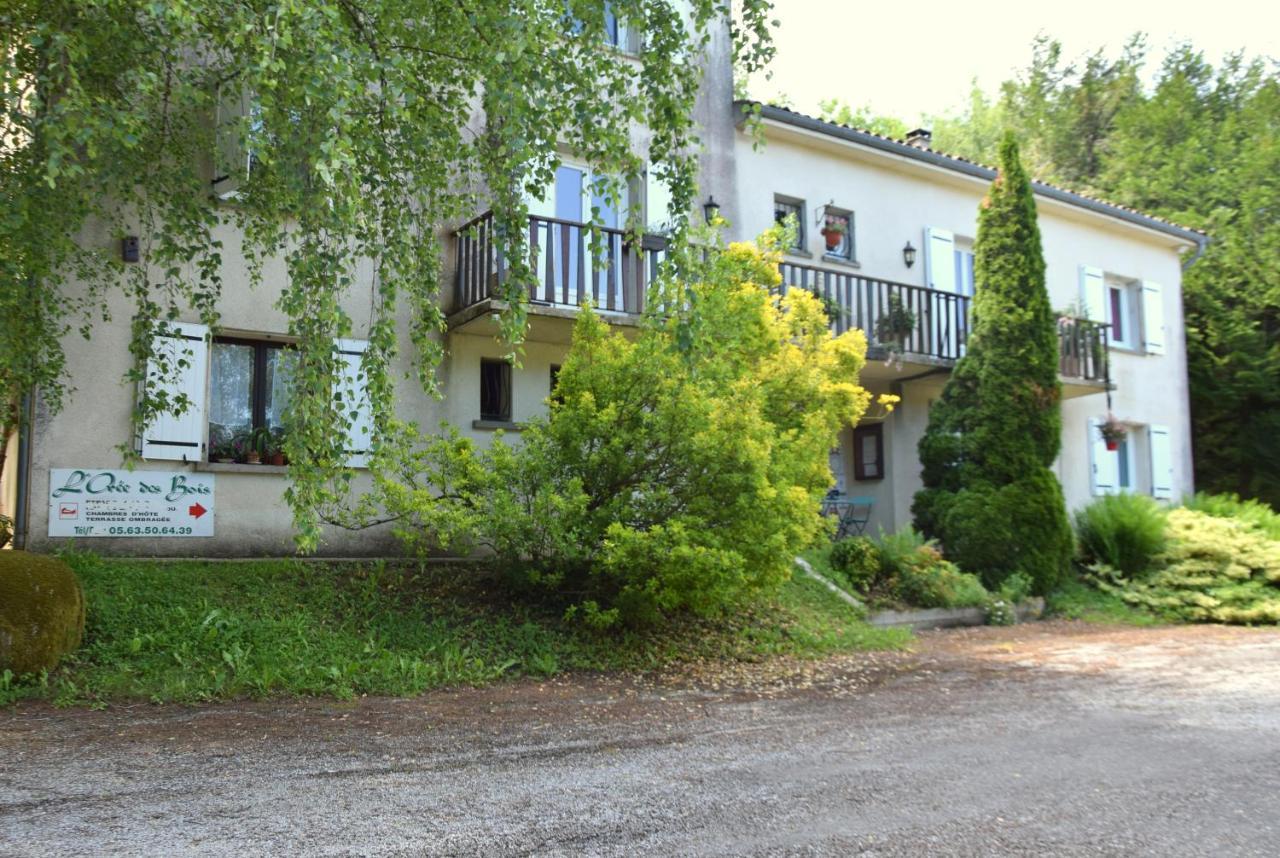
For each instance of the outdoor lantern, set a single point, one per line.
(909, 255)
(711, 209)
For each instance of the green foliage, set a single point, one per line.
(857, 559)
(193, 630)
(1253, 513)
(904, 568)
(679, 471)
(862, 118)
(1214, 569)
(1124, 531)
(371, 125)
(1076, 599)
(988, 494)
(41, 612)
(924, 579)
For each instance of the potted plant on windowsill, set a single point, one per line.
(222, 450)
(1113, 432)
(275, 450)
(833, 231)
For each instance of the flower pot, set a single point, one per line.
(833, 238)
(253, 458)
(1113, 445)
(276, 459)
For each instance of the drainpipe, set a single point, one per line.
(23, 475)
(1202, 244)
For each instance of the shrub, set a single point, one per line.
(41, 611)
(988, 494)
(1254, 513)
(681, 470)
(1213, 569)
(858, 559)
(1123, 531)
(926, 580)
(914, 572)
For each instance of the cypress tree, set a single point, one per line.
(988, 494)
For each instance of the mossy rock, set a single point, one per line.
(41, 611)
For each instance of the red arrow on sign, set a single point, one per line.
(195, 510)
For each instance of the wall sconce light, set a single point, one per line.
(711, 209)
(129, 248)
(909, 255)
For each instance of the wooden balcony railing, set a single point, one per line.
(941, 326)
(615, 274)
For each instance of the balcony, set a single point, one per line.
(941, 330)
(614, 275)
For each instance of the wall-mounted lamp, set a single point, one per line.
(129, 248)
(711, 209)
(909, 255)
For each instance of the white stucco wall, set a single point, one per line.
(895, 199)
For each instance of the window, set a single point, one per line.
(1124, 463)
(1121, 300)
(495, 390)
(837, 234)
(250, 384)
(616, 33)
(868, 452)
(835, 460)
(963, 256)
(785, 207)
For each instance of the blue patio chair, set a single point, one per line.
(852, 514)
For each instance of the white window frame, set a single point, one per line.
(967, 284)
(802, 232)
(1130, 315)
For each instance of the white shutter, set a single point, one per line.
(1105, 464)
(1161, 462)
(185, 351)
(232, 159)
(1152, 318)
(353, 399)
(1093, 294)
(939, 259)
(657, 203)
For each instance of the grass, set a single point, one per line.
(192, 631)
(1077, 600)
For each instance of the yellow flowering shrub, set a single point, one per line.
(681, 470)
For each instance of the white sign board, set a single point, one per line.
(98, 502)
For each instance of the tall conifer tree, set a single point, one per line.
(988, 494)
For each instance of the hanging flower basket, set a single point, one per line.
(833, 231)
(1112, 432)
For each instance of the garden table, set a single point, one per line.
(852, 513)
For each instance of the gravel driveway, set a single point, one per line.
(1047, 739)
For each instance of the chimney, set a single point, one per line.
(920, 138)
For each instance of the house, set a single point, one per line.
(908, 219)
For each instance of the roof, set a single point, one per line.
(973, 168)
